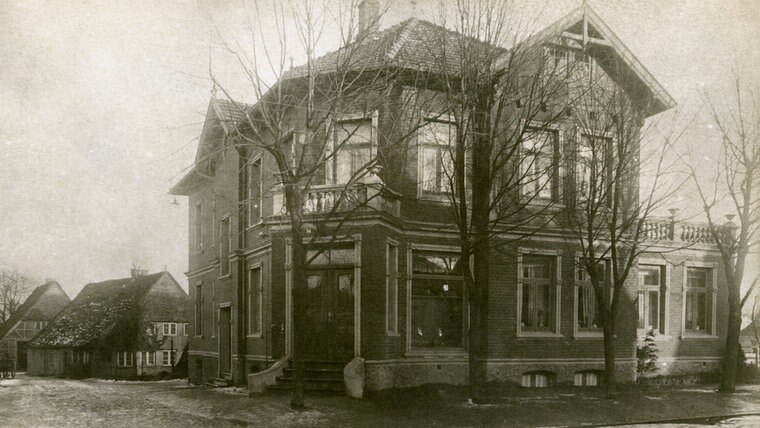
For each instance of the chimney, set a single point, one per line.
(49, 280)
(369, 17)
(137, 272)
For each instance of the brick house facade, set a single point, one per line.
(387, 288)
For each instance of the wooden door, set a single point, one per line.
(330, 314)
(225, 344)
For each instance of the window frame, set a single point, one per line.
(557, 171)
(225, 248)
(606, 163)
(410, 349)
(594, 332)
(440, 194)
(556, 255)
(148, 358)
(333, 147)
(253, 183)
(254, 270)
(711, 300)
(198, 244)
(198, 309)
(168, 325)
(172, 353)
(392, 275)
(664, 298)
(125, 359)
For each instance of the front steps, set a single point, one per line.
(322, 376)
(219, 383)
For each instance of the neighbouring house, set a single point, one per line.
(116, 329)
(45, 302)
(388, 288)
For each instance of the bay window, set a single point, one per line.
(351, 148)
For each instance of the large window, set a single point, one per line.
(198, 226)
(254, 192)
(148, 358)
(437, 156)
(255, 296)
(169, 328)
(391, 289)
(352, 150)
(168, 357)
(538, 164)
(698, 301)
(650, 302)
(538, 293)
(437, 300)
(587, 311)
(593, 168)
(225, 246)
(199, 309)
(125, 359)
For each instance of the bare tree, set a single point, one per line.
(14, 287)
(608, 214)
(732, 190)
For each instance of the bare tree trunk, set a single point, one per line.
(728, 381)
(610, 384)
(298, 266)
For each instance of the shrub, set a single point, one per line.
(646, 356)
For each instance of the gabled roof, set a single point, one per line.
(25, 310)
(94, 313)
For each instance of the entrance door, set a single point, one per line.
(225, 345)
(330, 314)
(21, 356)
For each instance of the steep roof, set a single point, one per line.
(25, 310)
(97, 309)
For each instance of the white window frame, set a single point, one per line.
(442, 150)
(255, 181)
(556, 171)
(711, 293)
(333, 148)
(171, 354)
(168, 329)
(601, 163)
(148, 358)
(185, 329)
(125, 359)
(555, 331)
(391, 286)
(665, 288)
(225, 259)
(258, 298)
(587, 333)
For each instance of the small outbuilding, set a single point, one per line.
(116, 329)
(45, 302)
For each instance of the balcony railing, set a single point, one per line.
(666, 229)
(341, 198)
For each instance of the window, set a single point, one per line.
(254, 192)
(185, 329)
(391, 289)
(254, 294)
(169, 329)
(437, 301)
(536, 380)
(168, 357)
(539, 163)
(224, 248)
(650, 303)
(587, 313)
(437, 157)
(124, 359)
(199, 309)
(352, 149)
(538, 293)
(587, 378)
(698, 301)
(148, 358)
(594, 168)
(199, 226)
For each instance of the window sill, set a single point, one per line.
(253, 336)
(589, 335)
(659, 338)
(539, 335)
(439, 198)
(440, 352)
(255, 225)
(697, 336)
(225, 276)
(391, 334)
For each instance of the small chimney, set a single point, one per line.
(369, 17)
(137, 272)
(49, 280)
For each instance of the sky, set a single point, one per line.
(102, 104)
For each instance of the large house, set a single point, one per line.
(121, 328)
(387, 288)
(45, 302)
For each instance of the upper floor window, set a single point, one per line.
(225, 246)
(198, 226)
(699, 301)
(593, 168)
(254, 192)
(352, 148)
(539, 164)
(437, 157)
(169, 328)
(199, 309)
(651, 295)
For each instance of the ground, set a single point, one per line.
(45, 402)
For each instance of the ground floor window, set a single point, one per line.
(168, 357)
(650, 303)
(538, 278)
(437, 300)
(148, 358)
(698, 300)
(535, 380)
(587, 311)
(125, 359)
(589, 378)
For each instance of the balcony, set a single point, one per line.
(666, 229)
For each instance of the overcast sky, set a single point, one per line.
(103, 103)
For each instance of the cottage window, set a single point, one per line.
(698, 300)
(226, 245)
(650, 301)
(538, 293)
(169, 329)
(254, 192)
(199, 309)
(351, 150)
(148, 358)
(185, 329)
(588, 314)
(391, 289)
(168, 357)
(437, 158)
(254, 297)
(593, 168)
(539, 163)
(125, 359)
(437, 300)
(199, 226)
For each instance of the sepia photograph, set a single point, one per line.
(379, 213)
